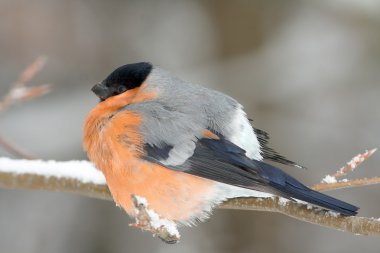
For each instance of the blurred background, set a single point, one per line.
(308, 72)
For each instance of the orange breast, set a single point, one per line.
(114, 144)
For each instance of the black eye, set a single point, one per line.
(121, 89)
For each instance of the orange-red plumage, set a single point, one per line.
(113, 142)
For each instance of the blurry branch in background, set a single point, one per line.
(15, 174)
(12, 149)
(18, 92)
(330, 182)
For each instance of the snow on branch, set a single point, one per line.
(82, 178)
(78, 177)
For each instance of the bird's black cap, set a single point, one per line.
(131, 75)
(123, 78)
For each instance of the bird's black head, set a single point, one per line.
(123, 78)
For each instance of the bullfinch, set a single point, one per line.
(183, 148)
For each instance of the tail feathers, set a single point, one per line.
(289, 187)
(319, 199)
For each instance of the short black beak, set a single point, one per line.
(102, 91)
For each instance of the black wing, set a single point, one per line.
(222, 161)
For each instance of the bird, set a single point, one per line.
(182, 148)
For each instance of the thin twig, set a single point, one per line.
(330, 182)
(346, 184)
(354, 163)
(14, 150)
(19, 91)
(30, 71)
(148, 220)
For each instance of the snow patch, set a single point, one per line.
(329, 179)
(83, 171)
(283, 201)
(155, 221)
(333, 214)
(301, 202)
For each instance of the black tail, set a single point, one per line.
(289, 187)
(221, 160)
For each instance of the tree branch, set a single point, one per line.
(79, 177)
(82, 178)
(353, 224)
